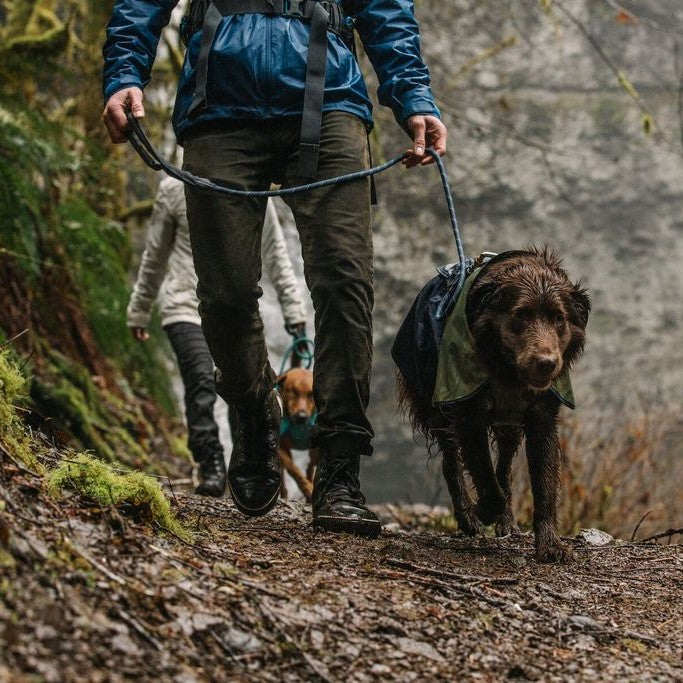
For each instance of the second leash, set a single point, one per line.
(302, 348)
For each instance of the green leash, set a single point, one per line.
(305, 355)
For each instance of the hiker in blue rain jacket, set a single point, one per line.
(248, 112)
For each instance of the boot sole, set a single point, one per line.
(254, 512)
(211, 492)
(338, 525)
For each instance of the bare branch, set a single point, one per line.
(618, 73)
(663, 534)
(642, 519)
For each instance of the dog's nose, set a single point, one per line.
(546, 364)
(300, 417)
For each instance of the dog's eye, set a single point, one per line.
(559, 318)
(522, 314)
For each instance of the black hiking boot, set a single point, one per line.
(338, 504)
(212, 475)
(254, 471)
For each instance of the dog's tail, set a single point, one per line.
(416, 409)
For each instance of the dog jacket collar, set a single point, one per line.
(298, 433)
(460, 373)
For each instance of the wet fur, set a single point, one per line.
(296, 389)
(528, 321)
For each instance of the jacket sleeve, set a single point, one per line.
(278, 265)
(391, 38)
(131, 44)
(160, 240)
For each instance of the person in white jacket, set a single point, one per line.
(167, 273)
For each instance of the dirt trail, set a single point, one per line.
(88, 594)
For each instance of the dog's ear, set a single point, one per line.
(279, 380)
(481, 298)
(580, 306)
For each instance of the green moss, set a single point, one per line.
(28, 158)
(634, 645)
(445, 523)
(98, 252)
(49, 43)
(98, 481)
(12, 390)
(95, 418)
(12, 386)
(51, 222)
(70, 411)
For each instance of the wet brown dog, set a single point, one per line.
(527, 322)
(296, 389)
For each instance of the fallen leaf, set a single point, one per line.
(625, 17)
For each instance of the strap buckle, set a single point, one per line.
(294, 8)
(276, 6)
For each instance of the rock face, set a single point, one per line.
(546, 146)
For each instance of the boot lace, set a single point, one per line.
(212, 467)
(341, 484)
(256, 432)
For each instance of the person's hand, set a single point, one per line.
(427, 131)
(114, 114)
(139, 333)
(299, 351)
(297, 330)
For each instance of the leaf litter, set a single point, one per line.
(90, 596)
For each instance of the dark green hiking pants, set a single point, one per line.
(334, 227)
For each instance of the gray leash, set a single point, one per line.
(140, 142)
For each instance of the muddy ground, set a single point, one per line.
(95, 594)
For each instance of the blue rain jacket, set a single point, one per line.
(257, 66)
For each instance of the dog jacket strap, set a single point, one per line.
(460, 373)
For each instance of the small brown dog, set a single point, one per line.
(503, 364)
(298, 416)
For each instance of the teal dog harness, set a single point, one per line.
(299, 433)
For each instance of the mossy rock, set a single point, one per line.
(13, 437)
(99, 482)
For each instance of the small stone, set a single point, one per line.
(583, 622)
(123, 643)
(416, 647)
(241, 640)
(380, 669)
(595, 537)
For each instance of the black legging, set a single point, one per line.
(196, 370)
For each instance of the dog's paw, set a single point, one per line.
(506, 525)
(554, 551)
(489, 510)
(469, 523)
(307, 490)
